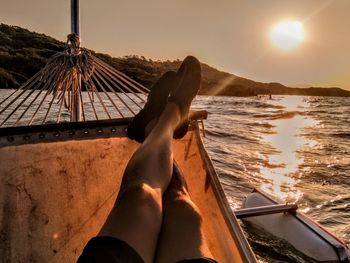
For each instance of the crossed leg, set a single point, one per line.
(151, 210)
(136, 217)
(181, 235)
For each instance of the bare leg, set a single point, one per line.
(181, 236)
(136, 217)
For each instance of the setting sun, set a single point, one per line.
(287, 35)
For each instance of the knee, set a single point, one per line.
(144, 196)
(190, 213)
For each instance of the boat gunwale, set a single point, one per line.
(14, 136)
(18, 130)
(231, 220)
(107, 128)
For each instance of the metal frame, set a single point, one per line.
(265, 210)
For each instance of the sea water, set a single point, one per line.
(293, 147)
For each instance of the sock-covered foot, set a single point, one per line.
(156, 101)
(189, 77)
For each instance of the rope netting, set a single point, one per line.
(73, 82)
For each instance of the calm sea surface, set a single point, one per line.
(296, 148)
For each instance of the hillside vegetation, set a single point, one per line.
(23, 53)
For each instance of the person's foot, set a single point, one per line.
(189, 80)
(156, 102)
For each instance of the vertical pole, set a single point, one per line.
(75, 17)
(75, 28)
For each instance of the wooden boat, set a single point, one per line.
(286, 222)
(59, 181)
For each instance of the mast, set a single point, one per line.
(75, 29)
(75, 17)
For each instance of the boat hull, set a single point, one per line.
(58, 184)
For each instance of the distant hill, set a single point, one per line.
(23, 53)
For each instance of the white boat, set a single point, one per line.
(286, 222)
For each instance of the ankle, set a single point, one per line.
(172, 112)
(149, 127)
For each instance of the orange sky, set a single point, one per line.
(227, 34)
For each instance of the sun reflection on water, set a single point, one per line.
(280, 170)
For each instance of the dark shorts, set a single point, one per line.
(113, 250)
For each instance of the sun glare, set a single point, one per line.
(287, 35)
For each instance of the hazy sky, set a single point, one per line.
(230, 35)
